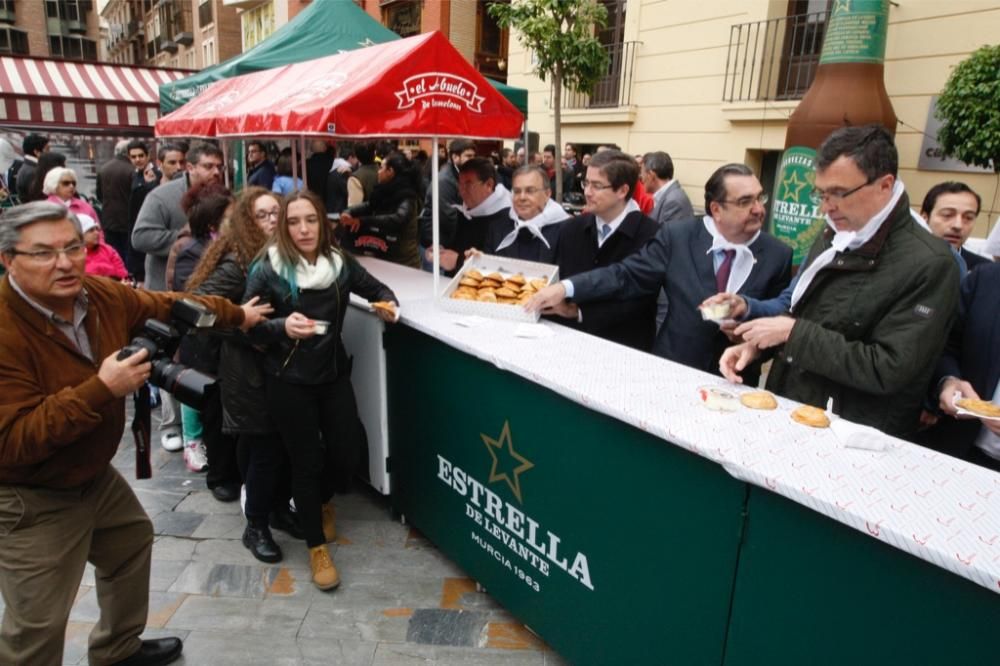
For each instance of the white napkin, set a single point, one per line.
(743, 261)
(533, 331)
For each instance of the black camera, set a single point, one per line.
(161, 339)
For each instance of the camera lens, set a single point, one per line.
(187, 385)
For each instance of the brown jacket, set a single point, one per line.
(59, 424)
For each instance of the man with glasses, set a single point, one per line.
(160, 220)
(62, 414)
(691, 260)
(874, 299)
(532, 227)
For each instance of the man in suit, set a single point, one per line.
(670, 202)
(260, 170)
(950, 210)
(531, 229)
(970, 366)
(484, 201)
(691, 260)
(114, 187)
(33, 146)
(612, 229)
(460, 151)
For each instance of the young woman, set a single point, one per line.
(308, 280)
(386, 225)
(223, 272)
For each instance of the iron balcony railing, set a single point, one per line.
(612, 90)
(774, 59)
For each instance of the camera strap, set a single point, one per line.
(141, 427)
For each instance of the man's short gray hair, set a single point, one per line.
(13, 219)
(121, 148)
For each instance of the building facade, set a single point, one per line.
(50, 28)
(189, 34)
(715, 82)
(260, 18)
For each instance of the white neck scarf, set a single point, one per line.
(844, 241)
(743, 261)
(309, 276)
(551, 214)
(497, 201)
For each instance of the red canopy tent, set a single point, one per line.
(416, 87)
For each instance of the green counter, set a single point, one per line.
(619, 548)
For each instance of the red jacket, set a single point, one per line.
(104, 260)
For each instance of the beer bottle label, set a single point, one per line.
(856, 32)
(795, 219)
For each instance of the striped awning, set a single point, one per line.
(80, 96)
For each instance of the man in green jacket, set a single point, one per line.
(875, 299)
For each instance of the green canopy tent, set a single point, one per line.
(323, 28)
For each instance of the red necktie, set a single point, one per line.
(722, 275)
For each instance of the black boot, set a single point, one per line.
(261, 544)
(287, 522)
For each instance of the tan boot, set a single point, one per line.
(329, 527)
(324, 574)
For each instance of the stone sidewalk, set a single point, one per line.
(400, 600)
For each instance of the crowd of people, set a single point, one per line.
(890, 316)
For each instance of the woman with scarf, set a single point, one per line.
(308, 280)
(385, 226)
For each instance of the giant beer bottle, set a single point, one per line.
(848, 90)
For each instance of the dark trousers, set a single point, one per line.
(220, 447)
(118, 240)
(262, 463)
(319, 465)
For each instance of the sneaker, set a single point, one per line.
(324, 574)
(329, 524)
(195, 455)
(172, 441)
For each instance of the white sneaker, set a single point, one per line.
(195, 456)
(172, 441)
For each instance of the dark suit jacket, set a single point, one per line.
(673, 207)
(677, 260)
(973, 260)
(471, 233)
(526, 246)
(972, 353)
(629, 321)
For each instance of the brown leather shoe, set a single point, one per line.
(324, 574)
(329, 526)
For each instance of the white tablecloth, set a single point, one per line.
(933, 506)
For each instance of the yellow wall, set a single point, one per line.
(680, 69)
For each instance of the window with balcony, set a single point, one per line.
(72, 47)
(208, 53)
(614, 88)
(13, 41)
(402, 16)
(8, 12)
(491, 43)
(205, 14)
(776, 59)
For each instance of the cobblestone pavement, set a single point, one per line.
(400, 600)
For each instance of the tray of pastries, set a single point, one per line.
(497, 287)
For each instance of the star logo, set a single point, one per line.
(842, 6)
(793, 187)
(508, 464)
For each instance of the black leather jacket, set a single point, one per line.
(321, 358)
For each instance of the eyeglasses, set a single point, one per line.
(819, 196)
(748, 201)
(596, 185)
(530, 191)
(265, 214)
(49, 257)
(68, 182)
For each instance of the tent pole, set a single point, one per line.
(527, 153)
(302, 158)
(225, 163)
(435, 215)
(295, 162)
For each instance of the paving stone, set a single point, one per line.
(222, 551)
(157, 501)
(173, 548)
(219, 648)
(326, 620)
(201, 501)
(161, 606)
(223, 580)
(388, 654)
(438, 626)
(275, 617)
(325, 652)
(163, 573)
(396, 562)
(377, 533)
(220, 526)
(177, 523)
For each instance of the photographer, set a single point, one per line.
(62, 504)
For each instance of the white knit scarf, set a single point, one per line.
(497, 201)
(551, 214)
(309, 276)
